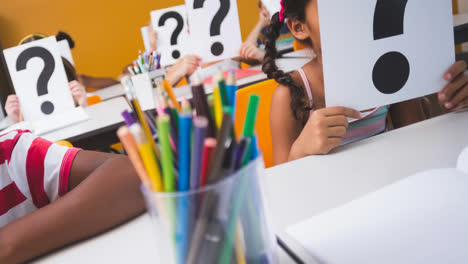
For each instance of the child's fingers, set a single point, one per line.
(456, 69)
(337, 131)
(340, 110)
(459, 98)
(450, 89)
(334, 142)
(333, 121)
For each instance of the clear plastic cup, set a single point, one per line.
(220, 223)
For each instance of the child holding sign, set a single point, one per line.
(52, 195)
(302, 125)
(249, 51)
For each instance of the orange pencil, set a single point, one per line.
(131, 148)
(170, 92)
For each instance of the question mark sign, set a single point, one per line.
(43, 81)
(178, 29)
(391, 71)
(215, 28)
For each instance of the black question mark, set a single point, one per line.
(215, 28)
(392, 70)
(178, 29)
(43, 81)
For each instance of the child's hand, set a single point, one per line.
(153, 37)
(250, 51)
(78, 92)
(184, 67)
(324, 130)
(455, 95)
(12, 108)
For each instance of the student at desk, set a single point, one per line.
(87, 81)
(52, 195)
(302, 125)
(12, 106)
(249, 50)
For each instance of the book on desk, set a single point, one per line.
(420, 219)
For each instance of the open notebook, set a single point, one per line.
(420, 219)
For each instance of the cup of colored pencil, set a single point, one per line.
(146, 62)
(200, 179)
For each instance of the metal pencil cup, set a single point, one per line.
(220, 223)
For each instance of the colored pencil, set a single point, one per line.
(200, 125)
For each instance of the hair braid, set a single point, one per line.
(298, 105)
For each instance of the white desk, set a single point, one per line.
(460, 19)
(302, 189)
(104, 117)
(110, 92)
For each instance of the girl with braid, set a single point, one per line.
(301, 124)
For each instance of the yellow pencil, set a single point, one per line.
(146, 130)
(147, 155)
(131, 148)
(170, 92)
(218, 107)
(239, 246)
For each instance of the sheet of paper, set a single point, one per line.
(173, 39)
(145, 38)
(39, 78)
(65, 51)
(273, 6)
(377, 53)
(214, 29)
(462, 163)
(420, 219)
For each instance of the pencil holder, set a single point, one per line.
(220, 223)
(144, 84)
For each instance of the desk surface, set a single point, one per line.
(104, 117)
(318, 183)
(435, 143)
(110, 92)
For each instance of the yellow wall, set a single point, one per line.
(106, 33)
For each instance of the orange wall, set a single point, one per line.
(106, 33)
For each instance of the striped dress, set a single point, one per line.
(370, 124)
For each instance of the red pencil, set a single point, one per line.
(208, 147)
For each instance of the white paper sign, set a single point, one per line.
(273, 6)
(377, 53)
(39, 79)
(145, 37)
(173, 39)
(214, 28)
(65, 51)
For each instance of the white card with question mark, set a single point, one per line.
(380, 52)
(39, 78)
(171, 26)
(214, 28)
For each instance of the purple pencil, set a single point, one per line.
(200, 125)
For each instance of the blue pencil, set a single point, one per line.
(182, 227)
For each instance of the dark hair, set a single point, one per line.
(63, 35)
(293, 9)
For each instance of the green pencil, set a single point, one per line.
(248, 131)
(166, 157)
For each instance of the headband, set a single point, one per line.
(281, 12)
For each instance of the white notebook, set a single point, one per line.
(420, 219)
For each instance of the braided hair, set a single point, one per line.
(293, 9)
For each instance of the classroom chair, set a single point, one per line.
(298, 46)
(94, 99)
(265, 90)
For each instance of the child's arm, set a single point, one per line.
(96, 82)
(106, 192)
(183, 67)
(406, 113)
(322, 132)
